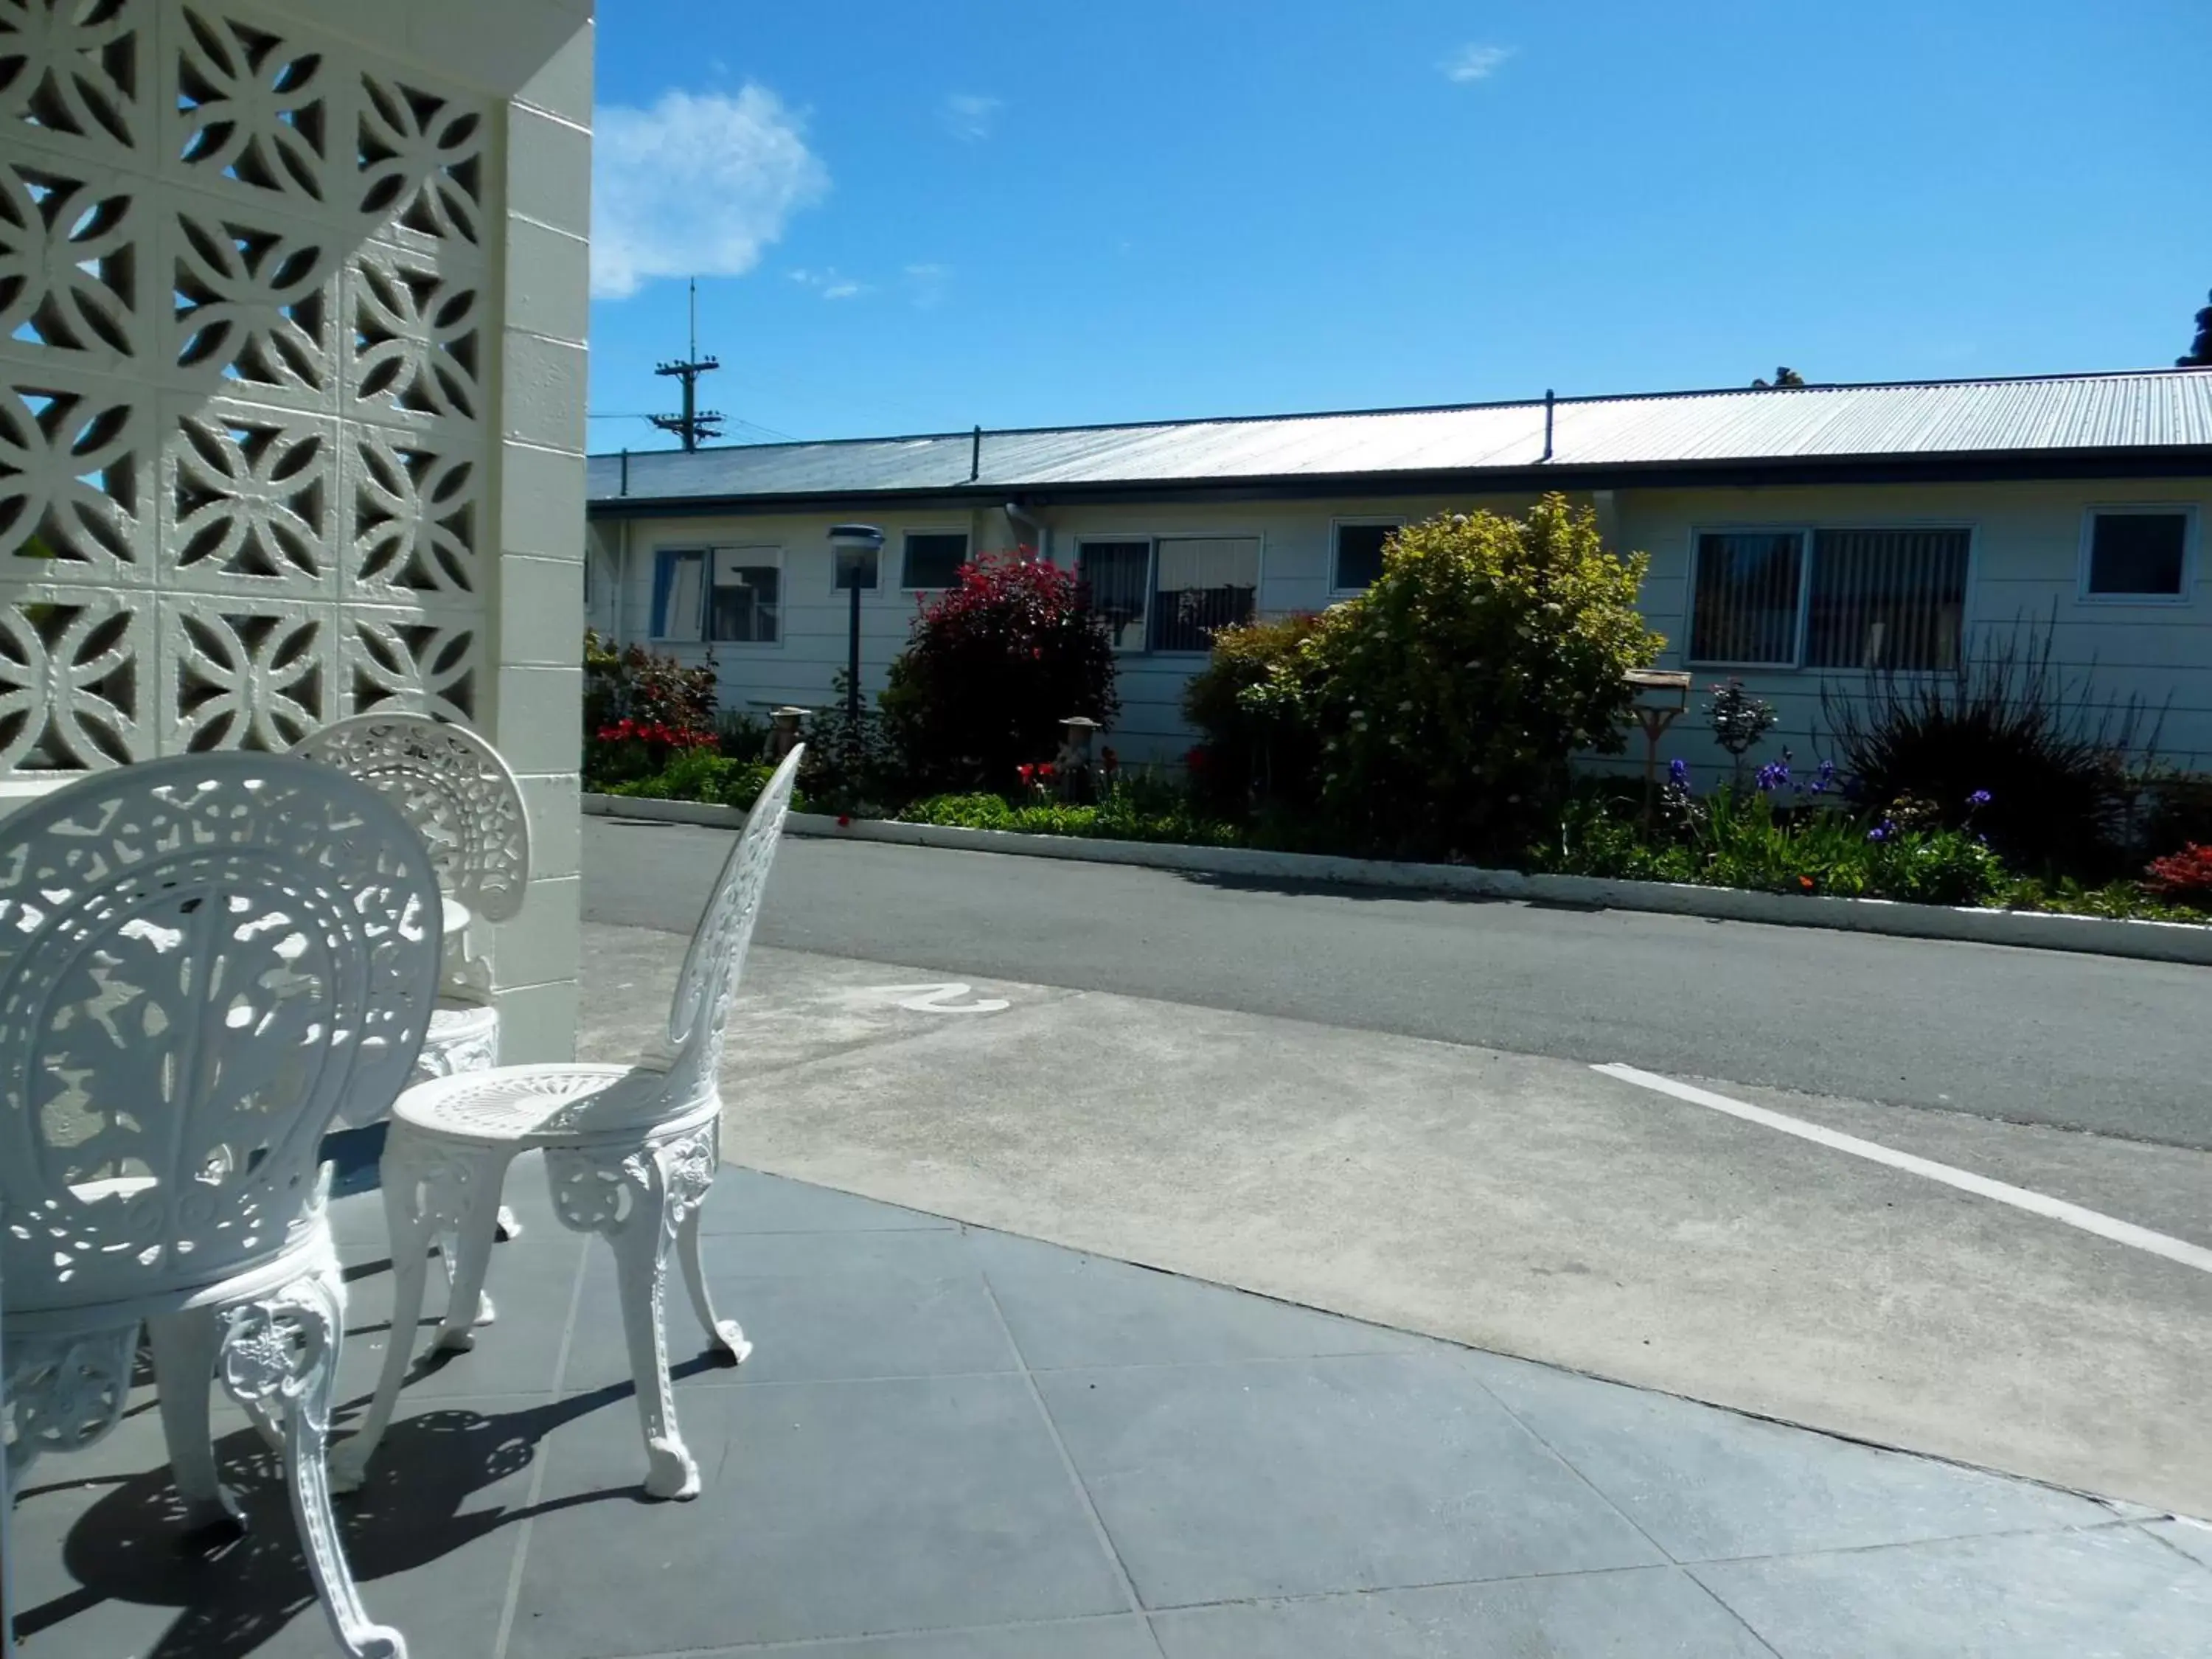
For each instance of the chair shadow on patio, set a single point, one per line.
(234, 1589)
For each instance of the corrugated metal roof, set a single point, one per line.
(2071, 413)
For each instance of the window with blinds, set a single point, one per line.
(1744, 611)
(1118, 578)
(1200, 586)
(1887, 599)
(1852, 598)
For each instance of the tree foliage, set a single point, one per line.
(993, 666)
(1454, 692)
(2200, 351)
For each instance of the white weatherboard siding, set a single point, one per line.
(2024, 574)
(2024, 567)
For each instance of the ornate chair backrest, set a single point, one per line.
(454, 788)
(717, 956)
(201, 958)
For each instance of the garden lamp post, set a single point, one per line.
(1659, 696)
(855, 551)
(1076, 733)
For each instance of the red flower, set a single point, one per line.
(1027, 773)
(1805, 883)
(1195, 759)
(844, 820)
(1047, 770)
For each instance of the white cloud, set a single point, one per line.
(1473, 62)
(831, 283)
(695, 186)
(971, 117)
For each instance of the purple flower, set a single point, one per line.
(1979, 798)
(1773, 776)
(1883, 831)
(1678, 774)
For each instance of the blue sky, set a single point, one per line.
(913, 217)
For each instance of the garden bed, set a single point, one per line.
(2152, 941)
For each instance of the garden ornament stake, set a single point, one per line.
(1661, 695)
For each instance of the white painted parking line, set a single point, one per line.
(2042, 1204)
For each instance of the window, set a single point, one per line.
(679, 588)
(1170, 593)
(933, 557)
(1829, 598)
(1118, 576)
(748, 590)
(1887, 599)
(1744, 610)
(741, 604)
(1356, 558)
(2137, 553)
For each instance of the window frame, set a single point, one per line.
(782, 594)
(1336, 588)
(2186, 511)
(906, 532)
(1806, 531)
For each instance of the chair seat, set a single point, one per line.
(525, 1106)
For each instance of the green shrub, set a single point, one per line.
(1255, 705)
(701, 774)
(993, 666)
(1457, 689)
(1745, 838)
(1124, 815)
(2058, 764)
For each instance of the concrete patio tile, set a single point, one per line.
(829, 1510)
(531, 1283)
(748, 1202)
(1067, 1309)
(103, 1569)
(1708, 1484)
(1299, 1477)
(2192, 1538)
(1652, 1612)
(817, 1307)
(2110, 1592)
(1124, 1636)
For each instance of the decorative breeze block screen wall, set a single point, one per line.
(246, 333)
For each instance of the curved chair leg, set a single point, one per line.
(411, 1225)
(467, 1248)
(284, 1346)
(725, 1333)
(185, 1348)
(640, 1249)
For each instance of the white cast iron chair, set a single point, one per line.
(631, 1152)
(463, 800)
(201, 958)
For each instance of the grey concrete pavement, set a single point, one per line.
(2083, 1042)
(1522, 1204)
(953, 1443)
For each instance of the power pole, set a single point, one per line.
(694, 422)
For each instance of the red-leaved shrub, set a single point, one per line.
(2183, 877)
(994, 665)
